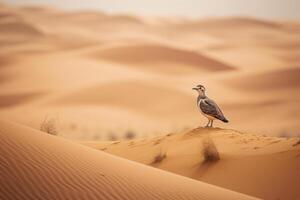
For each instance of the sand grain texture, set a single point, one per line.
(248, 163)
(35, 165)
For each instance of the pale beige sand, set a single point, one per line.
(99, 76)
(286, 79)
(163, 58)
(262, 166)
(35, 165)
(13, 100)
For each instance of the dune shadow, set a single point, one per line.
(17, 99)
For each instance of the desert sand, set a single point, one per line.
(35, 165)
(116, 93)
(99, 75)
(262, 166)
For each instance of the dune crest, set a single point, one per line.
(16, 99)
(155, 56)
(274, 80)
(18, 27)
(251, 162)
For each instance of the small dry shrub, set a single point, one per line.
(112, 136)
(288, 134)
(297, 143)
(129, 135)
(49, 126)
(284, 134)
(117, 142)
(210, 151)
(156, 142)
(159, 158)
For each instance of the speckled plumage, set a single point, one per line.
(210, 108)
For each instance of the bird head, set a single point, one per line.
(200, 89)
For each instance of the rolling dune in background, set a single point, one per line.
(97, 70)
(122, 95)
(286, 79)
(13, 100)
(161, 58)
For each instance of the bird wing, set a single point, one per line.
(209, 107)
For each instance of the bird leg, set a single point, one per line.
(207, 125)
(211, 123)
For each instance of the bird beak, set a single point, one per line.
(194, 88)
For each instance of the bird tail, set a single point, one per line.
(225, 120)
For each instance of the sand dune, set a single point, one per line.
(15, 99)
(248, 163)
(102, 76)
(157, 56)
(6, 15)
(96, 18)
(18, 27)
(121, 94)
(35, 165)
(226, 25)
(81, 16)
(286, 79)
(243, 22)
(93, 51)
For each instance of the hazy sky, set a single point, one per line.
(280, 9)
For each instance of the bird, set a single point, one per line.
(208, 107)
